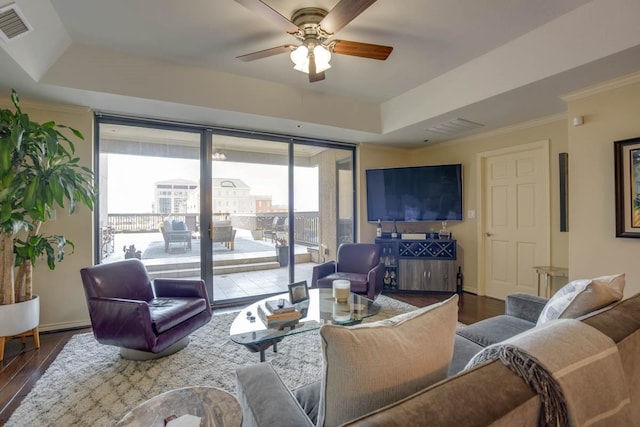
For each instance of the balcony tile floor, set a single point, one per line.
(226, 286)
(246, 284)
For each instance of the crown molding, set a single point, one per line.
(602, 87)
(388, 147)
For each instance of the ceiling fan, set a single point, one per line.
(314, 27)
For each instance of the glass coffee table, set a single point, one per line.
(321, 308)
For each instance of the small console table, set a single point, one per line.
(548, 272)
(419, 265)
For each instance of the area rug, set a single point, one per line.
(88, 384)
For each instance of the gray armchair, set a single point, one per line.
(357, 262)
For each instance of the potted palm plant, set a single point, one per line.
(38, 174)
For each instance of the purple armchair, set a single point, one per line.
(146, 319)
(356, 262)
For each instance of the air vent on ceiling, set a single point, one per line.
(12, 22)
(454, 127)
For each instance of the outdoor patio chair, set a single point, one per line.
(223, 232)
(284, 226)
(175, 232)
(271, 233)
(146, 318)
(192, 223)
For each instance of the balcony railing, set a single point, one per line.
(305, 223)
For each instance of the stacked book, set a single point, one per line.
(278, 313)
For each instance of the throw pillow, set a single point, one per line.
(374, 364)
(583, 296)
(178, 225)
(166, 226)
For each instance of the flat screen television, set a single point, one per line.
(419, 193)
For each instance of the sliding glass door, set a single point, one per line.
(148, 178)
(250, 206)
(248, 213)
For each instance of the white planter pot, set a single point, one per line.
(20, 317)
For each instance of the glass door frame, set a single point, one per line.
(206, 211)
(207, 134)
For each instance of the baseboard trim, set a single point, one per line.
(61, 326)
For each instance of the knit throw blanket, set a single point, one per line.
(575, 369)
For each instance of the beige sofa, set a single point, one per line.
(489, 394)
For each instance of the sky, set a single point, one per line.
(132, 191)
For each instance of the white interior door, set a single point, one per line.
(516, 218)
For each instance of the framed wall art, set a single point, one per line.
(627, 187)
(563, 163)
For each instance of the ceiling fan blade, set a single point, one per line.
(364, 50)
(267, 52)
(313, 75)
(261, 8)
(343, 13)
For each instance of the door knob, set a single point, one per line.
(489, 234)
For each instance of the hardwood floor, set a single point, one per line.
(23, 365)
(472, 308)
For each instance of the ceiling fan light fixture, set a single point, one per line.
(300, 57)
(315, 28)
(323, 56)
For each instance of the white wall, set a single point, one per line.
(611, 112)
